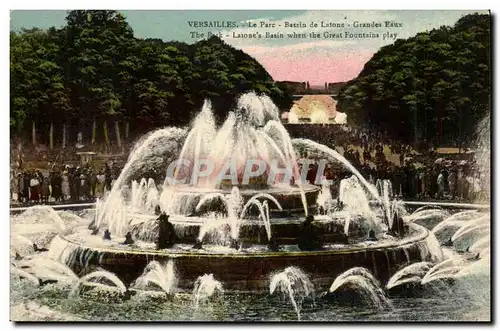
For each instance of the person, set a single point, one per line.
(107, 235)
(72, 184)
(13, 185)
(78, 184)
(65, 186)
(440, 184)
(34, 185)
(107, 174)
(166, 233)
(56, 183)
(366, 156)
(101, 178)
(26, 187)
(20, 182)
(45, 190)
(84, 186)
(309, 240)
(92, 179)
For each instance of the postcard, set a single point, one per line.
(285, 165)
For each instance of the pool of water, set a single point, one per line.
(467, 300)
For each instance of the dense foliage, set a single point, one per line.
(431, 88)
(93, 70)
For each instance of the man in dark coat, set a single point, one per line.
(20, 183)
(107, 174)
(56, 183)
(72, 185)
(92, 179)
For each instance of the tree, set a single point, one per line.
(94, 71)
(432, 87)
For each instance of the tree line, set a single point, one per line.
(93, 73)
(433, 88)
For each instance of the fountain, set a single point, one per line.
(206, 287)
(237, 197)
(359, 285)
(294, 284)
(237, 200)
(162, 277)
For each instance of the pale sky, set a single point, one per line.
(317, 60)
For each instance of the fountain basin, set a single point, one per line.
(252, 231)
(247, 270)
(288, 196)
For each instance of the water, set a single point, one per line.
(101, 297)
(361, 282)
(412, 273)
(294, 284)
(160, 276)
(483, 157)
(246, 307)
(43, 288)
(252, 131)
(100, 279)
(325, 200)
(205, 288)
(315, 147)
(147, 153)
(355, 202)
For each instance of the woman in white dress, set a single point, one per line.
(65, 186)
(100, 185)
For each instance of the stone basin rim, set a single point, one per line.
(422, 234)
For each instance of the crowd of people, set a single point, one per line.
(69, 184)
(412, 177)
(458, 180)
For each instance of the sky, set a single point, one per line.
(339, 56)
